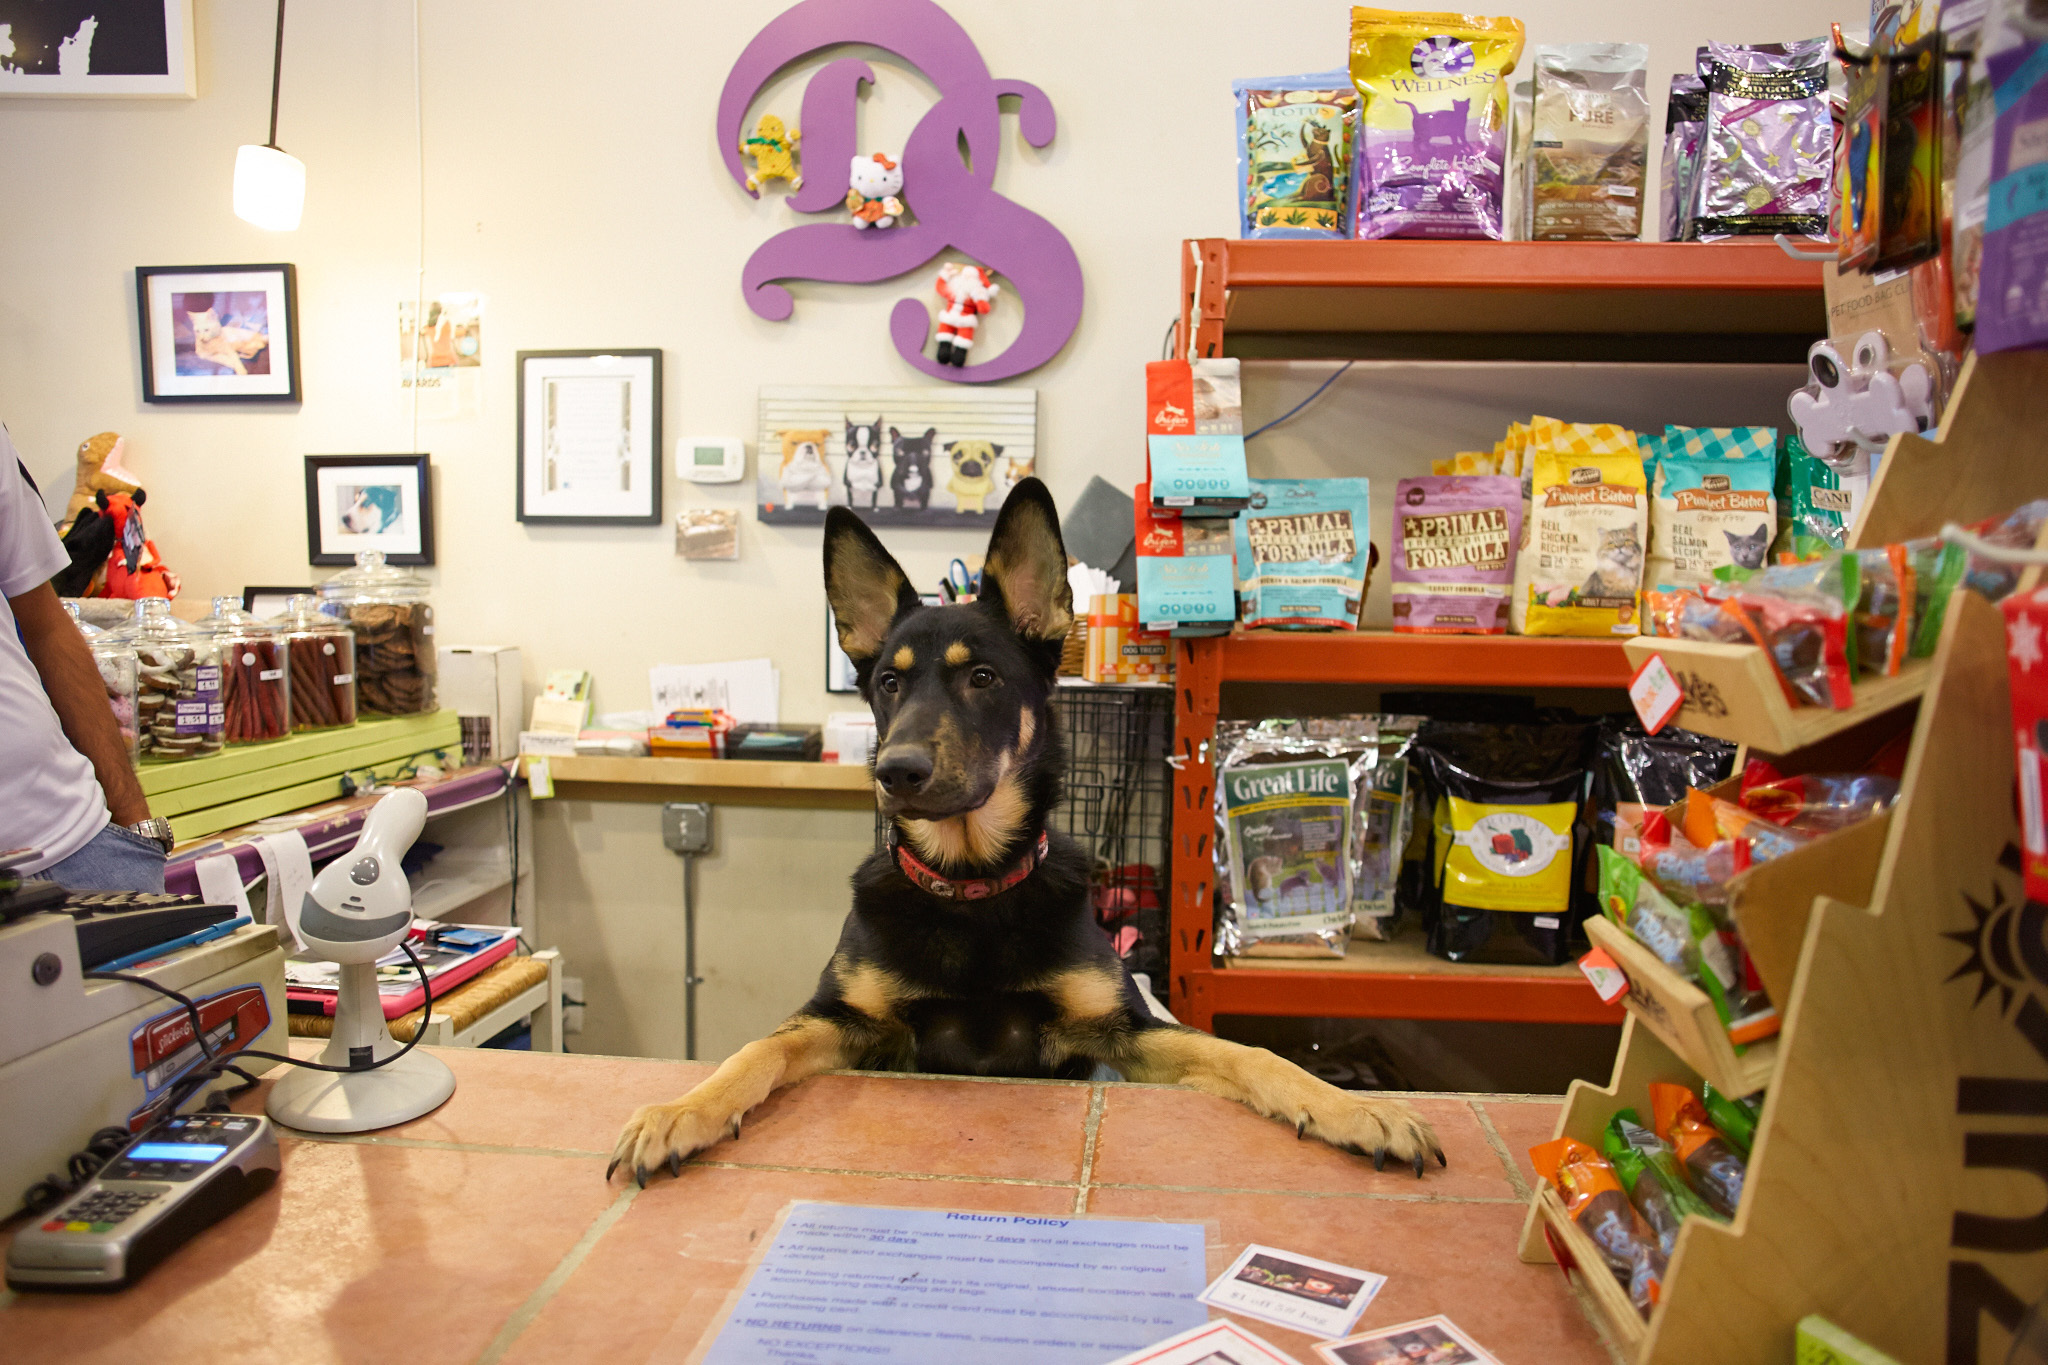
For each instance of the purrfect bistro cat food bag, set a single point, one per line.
(1302, 548)
(1435, 121)
(1294, 152)
(1710, 513)
(1589, 517)
(1454, 553)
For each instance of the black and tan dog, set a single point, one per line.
(971, 948)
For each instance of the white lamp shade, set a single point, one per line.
(270, 188)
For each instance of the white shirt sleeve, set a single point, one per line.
(30, 553)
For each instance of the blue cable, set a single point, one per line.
(1304, 402)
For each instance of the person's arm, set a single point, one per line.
(72, 680)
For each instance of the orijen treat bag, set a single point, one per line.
(1295, 155)
(1590, 152)
(1590, 517)
(1194, 438)
(1302, 547)
(1454, 553)
(1434, 139)
(1767, 154)
(1684, 116)
(1186, 582)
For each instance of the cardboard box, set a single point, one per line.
(480, 684)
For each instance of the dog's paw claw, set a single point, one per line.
(640, 1175)
(675, 1163)
(1440, 1158)
(1300, 1129)
(1379, 1158)
(1418, 1165)
(608, 1171)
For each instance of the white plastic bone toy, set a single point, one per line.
(1861, 403)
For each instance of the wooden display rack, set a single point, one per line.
(1895, 1185)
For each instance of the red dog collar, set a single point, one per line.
(973, 889)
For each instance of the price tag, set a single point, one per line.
(539, 785)
(1610, 982)
(1655, 693)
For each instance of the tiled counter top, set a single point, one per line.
(486, 1232)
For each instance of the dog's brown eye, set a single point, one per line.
(982, 677)
(888, 682)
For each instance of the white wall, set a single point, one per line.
(571, 175)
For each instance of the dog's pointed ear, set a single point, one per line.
(868, 591)
(1025, 572)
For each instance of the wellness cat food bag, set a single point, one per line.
(1454, 553)
(1713, 509)
(1302, 552)
(1589, 519)
(1294, 155)
(1434, 140)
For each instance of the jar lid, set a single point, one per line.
(154, 624)
(228, 618)
(372, 580)
(302, 614)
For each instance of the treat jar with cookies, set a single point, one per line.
(320, 654)
(255, 684)
(178, 708)
(393, 621)
(116, 663)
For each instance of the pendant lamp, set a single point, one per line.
(270, 183)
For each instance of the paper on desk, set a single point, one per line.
(938, 1287)
(288, 876)
(751, 689)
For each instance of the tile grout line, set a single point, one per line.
(437, 1144)
(1091, 1129)
(523, 1316)
(1313, 1194)
(1500, 1149)
(939, 1176)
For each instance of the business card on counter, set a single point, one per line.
(1292, 1290)
(1434, 1340)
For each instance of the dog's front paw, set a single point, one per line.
(670, 1134)
(1374, 1127)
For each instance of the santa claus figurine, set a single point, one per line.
(969, 292)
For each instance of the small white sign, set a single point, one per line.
(1610, 982)
(1655, 694)
(1292, 1290)
(1213, 1343)
(1436, 1340)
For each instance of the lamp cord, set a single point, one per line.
(419, 290)
(276, 77)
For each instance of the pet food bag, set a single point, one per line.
(1634, 772)
(1454, 553)
(1713, 503)
(1302, 552)
(1811, 503)
(1589, 518)
(1767, 151)
(1684, 117)
(1381, 831)
(1295, 138)
(1286, 805)
(1434, 137)
(1186, 583)
(1194, 438)
(1590, 148)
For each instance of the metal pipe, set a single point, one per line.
(276, 75)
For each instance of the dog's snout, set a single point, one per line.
(903, 771)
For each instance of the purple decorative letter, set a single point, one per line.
(955, 204)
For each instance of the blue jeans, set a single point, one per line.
(115, 860)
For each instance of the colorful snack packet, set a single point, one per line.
(1710, 1164)
(1650, 1174)
(1859, 154)
(1302, 547)
(1454, 553)
(1802, 612)
(1811, 503)
(1815, 802)
(1589, 150)
(1295, 158)
(1735, 1117)
(1938, 569)
(1685, 117)
(1883, 618)
(1767, 152)
(1594, 1197)
(1434, 138)
(1636, 903)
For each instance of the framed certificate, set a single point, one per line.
(590, 437)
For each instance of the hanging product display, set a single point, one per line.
(393, 621)
(1590, 146)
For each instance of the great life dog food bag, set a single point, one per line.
(1454, 553)
(1434, 144)
(1713, 508)
(1589, 518)
(1303, 547)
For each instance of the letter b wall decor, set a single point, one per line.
(953, 199)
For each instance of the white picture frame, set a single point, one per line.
(51, 50)
(590, 438)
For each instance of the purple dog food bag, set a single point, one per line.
(1454, 553)
(1767, 151)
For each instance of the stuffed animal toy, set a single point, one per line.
(774, 152)
(134, 569)
(974, 466)
(876, 182)
(863, 476)
(1019, 468)
(99, 471)
(806, 479)
(911, 479)
(969, 293)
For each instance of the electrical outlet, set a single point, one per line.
(572, 1015)
(686, 827)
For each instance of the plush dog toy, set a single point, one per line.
(99, 471)
(969, 293)
(974, 465)
(774, 153)
(911, 479)
(806, 478)
(876, 182)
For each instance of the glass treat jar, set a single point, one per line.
(255, 685)
(322, 659)
(177, 700)
(116, 663)
(387, 608)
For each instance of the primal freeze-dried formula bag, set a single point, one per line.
(1454, 553)
(1302, 552)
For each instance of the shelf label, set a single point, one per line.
(1655, 694)
(540, 785)
(1610, 982)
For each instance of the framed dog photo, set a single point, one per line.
(590, 437)
(369, 502)
(132, 48)
(218, 333)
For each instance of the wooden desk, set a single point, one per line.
(485, 1231)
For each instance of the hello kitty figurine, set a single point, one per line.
(876, 182)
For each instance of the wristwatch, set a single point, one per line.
(157, 828)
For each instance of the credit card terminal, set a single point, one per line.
(180, 1176)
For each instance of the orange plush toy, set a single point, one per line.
(134, 569)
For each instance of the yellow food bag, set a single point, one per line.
(1510, 857)
(1471, 462)
(1583, 566)
(1442, 468)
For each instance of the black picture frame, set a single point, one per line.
(322, 548)
(650, 514)
(157, 332)
(266, 593)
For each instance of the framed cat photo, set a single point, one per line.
(218, 333)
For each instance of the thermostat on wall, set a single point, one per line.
(711, 459)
